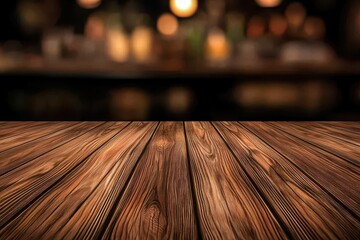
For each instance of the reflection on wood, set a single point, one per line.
(174, 180)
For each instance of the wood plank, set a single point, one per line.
(306, 210)
(31, 133)
(229, 206)
(332, 132)
(98, 178)
(317, 165)
(348, 152)
(19, 128)
(25, 184)
(158, 203)
(352, 127)
(8, 129)
(328, 157)
(13, 124)
(17, 156)
(92, 218)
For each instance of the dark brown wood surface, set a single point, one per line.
(175, 180)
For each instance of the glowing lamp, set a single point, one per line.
(217, 46)
(88, 4)
(117, 45)
(167, 24)
(184, 8)
(268, 3)
(141, 44)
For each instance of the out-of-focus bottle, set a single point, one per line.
(142, 44)
(117, 40)
(217, 47)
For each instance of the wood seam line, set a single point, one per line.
(325, 134)
(20, 124)
(227, 131)
(42, 136)
(333, 130)
(262, 195)
(63, 143)
(18, 128)
(193, 192)
(95, 188)
(334, 135)
(61, 178)
(343, 129)
(121, 193)
(353, 214)
(302, 138)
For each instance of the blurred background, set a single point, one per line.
(180, 60)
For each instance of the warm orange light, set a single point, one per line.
(141, 44)
(295, 14)
(256, 27)
(217, 46)
(89, 3)
(95, 27)
(117, 45)
(314, 28)
(167, 24)
(278, 25)
(268, 3)
(184, 8)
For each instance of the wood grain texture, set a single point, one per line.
(348, 152)
(330, 172)
(92, 218)
(8, 129)
(300, 203)
(26, 183)
(347, 136)
(157, 202)
(174, 180)
(229, 205)
(67, 198)
(352, 127)
(30, 133)
(17, 156)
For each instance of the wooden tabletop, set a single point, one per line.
(175, 180)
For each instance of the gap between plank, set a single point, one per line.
(262, 195)
(52, 149)
(307, 175)
(121, 193)
(191, 176)
(61, 178)
(315, 145)
(47, 134)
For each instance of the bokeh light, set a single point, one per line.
(117, 45)
(167, 24)
(95, 27)
(88, 4)
(184, 8)
(256, 27)
(295, 14)
(314, 28)
(218, 47)
(141, 44)
(278, 25)
(268, 3)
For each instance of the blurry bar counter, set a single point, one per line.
(268, 90)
